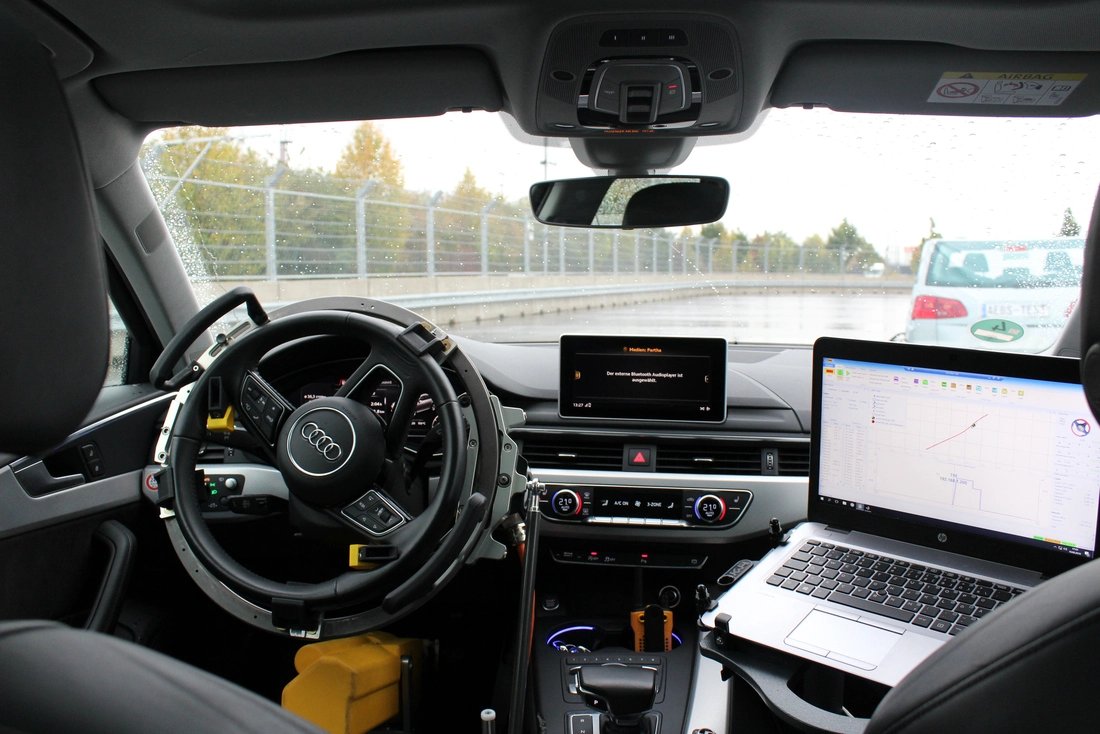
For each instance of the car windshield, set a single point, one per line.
(867, 226)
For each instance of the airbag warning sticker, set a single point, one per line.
(1042, 90)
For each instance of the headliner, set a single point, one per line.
(110, 37)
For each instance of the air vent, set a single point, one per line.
(794, 460)
(713, 459)
(676, 456)
(560, 452)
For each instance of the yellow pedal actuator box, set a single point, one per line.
(352, 685)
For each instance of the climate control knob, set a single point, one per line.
(710, 508)
(566, 502)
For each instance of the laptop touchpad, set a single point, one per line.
(844, 640)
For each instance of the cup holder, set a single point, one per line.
(592, 637)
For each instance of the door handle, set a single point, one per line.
(37, 481)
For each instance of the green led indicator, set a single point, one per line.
(213, 491)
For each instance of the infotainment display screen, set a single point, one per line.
(660, 378)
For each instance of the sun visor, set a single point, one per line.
(362, 85)
(937, 79)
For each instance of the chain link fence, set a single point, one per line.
(280, 224)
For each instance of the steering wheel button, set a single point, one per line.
(370, 523)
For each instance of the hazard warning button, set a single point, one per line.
(639, 458)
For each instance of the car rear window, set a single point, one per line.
(1036, 264)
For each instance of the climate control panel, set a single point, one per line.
(650, 506)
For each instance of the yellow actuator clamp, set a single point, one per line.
(223, 424)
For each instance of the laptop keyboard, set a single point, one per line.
(923, 596)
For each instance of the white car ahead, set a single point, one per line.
(1008, 295)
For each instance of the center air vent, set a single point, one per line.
(552, 452)
(717, 459)
(794, 460)
(673, 455)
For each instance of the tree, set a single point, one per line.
(218, 230)
(816, 258)
(467, 188)
(370, 157)
(1070, 227)
(914, 261)
(713, 231)
(855, 253)
(772, 252)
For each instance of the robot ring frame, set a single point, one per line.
(488, 425)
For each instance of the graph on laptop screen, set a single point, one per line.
(1003, 455)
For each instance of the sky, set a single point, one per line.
(802, 172)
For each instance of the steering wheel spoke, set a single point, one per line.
(408, 403)
(398, 415)
(264, 409)
(368, 375)
(376, 514)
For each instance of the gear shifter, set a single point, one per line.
(625, 694)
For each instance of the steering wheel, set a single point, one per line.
(339, 462)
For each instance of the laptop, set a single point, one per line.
(944, 483)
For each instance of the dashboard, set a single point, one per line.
(612, 479)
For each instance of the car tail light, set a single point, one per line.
(1015, 248)
(930, 307)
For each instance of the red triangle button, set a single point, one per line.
(639, 458)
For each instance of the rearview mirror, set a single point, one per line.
(613, 202)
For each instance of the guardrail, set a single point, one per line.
(704, 287)
(462, 305)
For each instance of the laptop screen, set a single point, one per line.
(996, 446)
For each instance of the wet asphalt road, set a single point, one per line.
(784, 318)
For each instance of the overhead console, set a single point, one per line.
(662, 74)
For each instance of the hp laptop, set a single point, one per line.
(944, 483)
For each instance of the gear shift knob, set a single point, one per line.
(623, 692)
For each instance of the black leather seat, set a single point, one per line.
(57, 679)
(53, 323)
(1032, 666)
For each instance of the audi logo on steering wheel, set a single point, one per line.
(321, 441)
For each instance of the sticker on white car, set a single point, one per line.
(997, 330)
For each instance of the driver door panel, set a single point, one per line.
(60, 552)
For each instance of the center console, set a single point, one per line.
(587, 666)
(649, 487)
